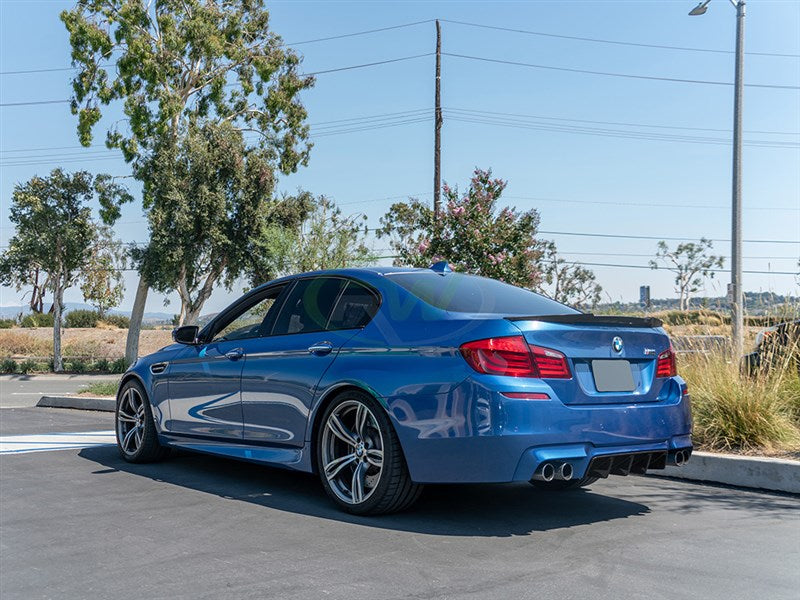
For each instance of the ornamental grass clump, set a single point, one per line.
(738, 411)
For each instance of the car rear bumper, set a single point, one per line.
(478, 435)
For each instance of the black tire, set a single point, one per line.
(137, 438)
(558, 485)
(394, 490)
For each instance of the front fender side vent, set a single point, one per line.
(157, 368)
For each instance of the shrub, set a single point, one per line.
(102, 365)
(119, 366)
(77, 365)
(120, 321)
(733, 411)
(27, 366)
(8, 365)
(7, 323)
(37, 320)
(81, 318)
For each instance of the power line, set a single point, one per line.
(645, 204)
(368, 31)
(610, 74)
(622, 123)
(615, 42)
(650, 255)
(322, 39)
(313, 73)
(751, 272)
(615, 133)
(658, 238)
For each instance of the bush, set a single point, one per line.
(119, 366)
(102, 365)
(8, 365)
(7, 323)
(735, 412)
(37, 320)
(27, 366)
(81, 318)
(77, 365)
(120, 321)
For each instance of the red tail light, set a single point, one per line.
(499, 356)
(551, 364)
(665, 365)
(513, 356)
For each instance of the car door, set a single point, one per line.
(279, 380)
(205, 380)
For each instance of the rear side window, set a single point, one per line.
(458, 292)
(356, 306)
(308, 306)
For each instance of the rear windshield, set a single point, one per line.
(471, 294)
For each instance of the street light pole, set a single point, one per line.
(737, 294)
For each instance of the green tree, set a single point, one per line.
(325, 240)
(569, 283)
(213, 217)
(177, 64)
(102, 284)
(472, 233)
(691, 262)
(55, 232)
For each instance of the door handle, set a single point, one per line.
(321, 348)
(234, 354)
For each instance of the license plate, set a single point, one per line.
(613, 376)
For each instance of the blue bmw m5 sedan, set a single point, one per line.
(383, 379)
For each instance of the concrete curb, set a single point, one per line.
(776, 474)
(78, 402)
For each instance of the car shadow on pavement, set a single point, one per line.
(495, 510)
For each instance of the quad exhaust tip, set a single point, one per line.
(565, 471)
(680, 458)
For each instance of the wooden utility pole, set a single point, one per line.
(437, 139)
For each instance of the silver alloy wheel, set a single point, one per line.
(352, 451)
(130, 421)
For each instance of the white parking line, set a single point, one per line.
(47, 442)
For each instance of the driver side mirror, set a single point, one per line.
(186, 334)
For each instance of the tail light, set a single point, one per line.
(665, 365)
(513, 356)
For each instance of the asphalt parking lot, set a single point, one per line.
(81, 523)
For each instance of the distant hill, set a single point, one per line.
(756, 303)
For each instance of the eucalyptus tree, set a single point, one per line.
(692, 263)
(174, 65)
(55, 233)
(326, 239)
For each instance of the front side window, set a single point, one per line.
(308, 306)
(253, 320)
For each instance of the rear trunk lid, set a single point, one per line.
(601, 351)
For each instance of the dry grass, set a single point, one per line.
(94, 342)
(737, 412)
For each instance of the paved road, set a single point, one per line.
(17, 391)
(84, 524)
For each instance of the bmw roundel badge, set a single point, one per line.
(617, 344)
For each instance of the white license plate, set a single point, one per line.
(613, 376)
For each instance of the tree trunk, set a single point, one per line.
(58, 301)
(135, 328)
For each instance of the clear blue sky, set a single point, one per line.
(578, 182)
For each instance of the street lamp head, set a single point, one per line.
(700, 9)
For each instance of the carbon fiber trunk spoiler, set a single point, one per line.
(590, 319)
